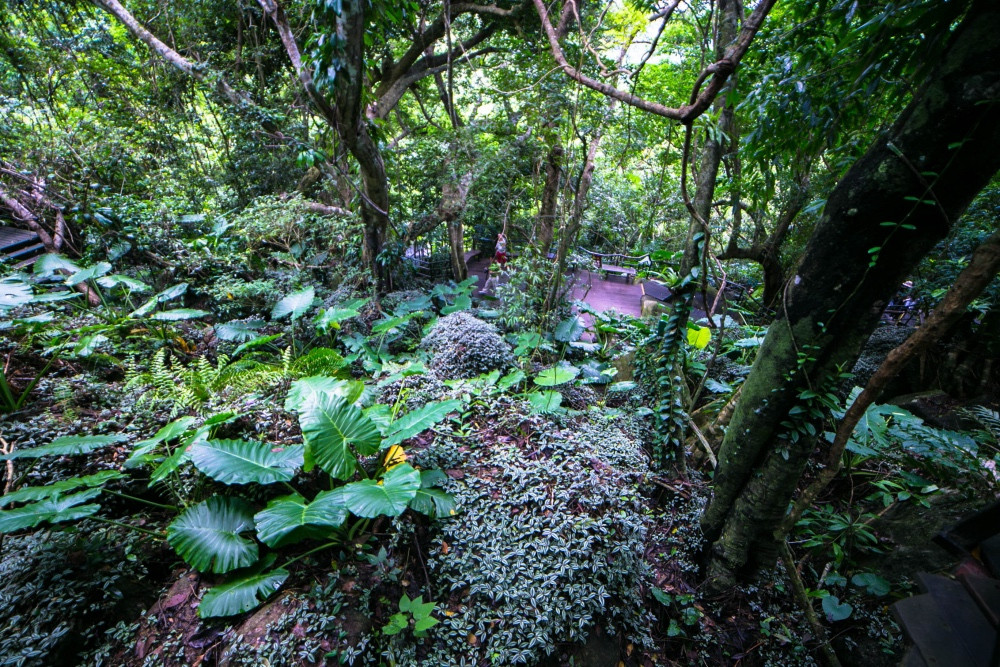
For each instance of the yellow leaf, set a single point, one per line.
(699, 337)
(394, 457)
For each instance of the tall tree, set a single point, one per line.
(900, 198)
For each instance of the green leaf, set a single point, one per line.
(178, 314)
(14, 293)
(545, 401)
(623, 386)
(238, 331)
(397, 623)
(246, 462)
(462, 302)
(872, 583)
(308, 389)
(260, 341)
(389, 496)
(569, 330)
(95, 271)
(333, 430)
(241, 595)
(288, 519)
(511, 379)
(332, 317)
(835, 611)
(388, 324)
(51, 264)
(431, 501)
(117, 280)
(53, 510)
(207, 536)
(171, 431)
(698, 337)
(68, 445)
(717, 387)
(295, 304)
(424, 624)
(557, 375)
(419, 420)
(168, 294)
(33, 493)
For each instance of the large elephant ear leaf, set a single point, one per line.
(419, 420)
(389, 496)
(295, 304)
(289, 519)
(207, 536)
(69, 445)
(53, 510)
(242, 594)
(432, 501)
(246, 462)
(333, 431)
(307, 389)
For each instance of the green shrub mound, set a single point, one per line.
(548, 546)
(464, 346)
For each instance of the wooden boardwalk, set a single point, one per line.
(19, 247)
(613, 293)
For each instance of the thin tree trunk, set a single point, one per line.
(950, 134)
(550, 199)
(572, 229)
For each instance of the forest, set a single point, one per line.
(602, 333)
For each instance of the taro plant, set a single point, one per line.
(357, 454)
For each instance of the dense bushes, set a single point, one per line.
(464, 346)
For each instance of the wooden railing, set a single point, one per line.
(617, 263)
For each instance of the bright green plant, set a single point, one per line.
(415, 614)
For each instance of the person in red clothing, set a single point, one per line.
(501, 254)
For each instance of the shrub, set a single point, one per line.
(549, 544)
(464, 347)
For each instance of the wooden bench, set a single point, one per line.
(617, 264)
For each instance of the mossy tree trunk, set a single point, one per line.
(889, 210)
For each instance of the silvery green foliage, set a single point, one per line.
(548, 544)
(882, 341)
(416, 391)
(60, 591)
(464, 347)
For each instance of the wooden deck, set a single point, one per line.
(956, 621)
(19, 247)
(601, 294)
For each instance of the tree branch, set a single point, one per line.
(716, 74)
(194, 69)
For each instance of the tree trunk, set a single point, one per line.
(550, 199)
(876, 226)
(454, 194)
(575, 221)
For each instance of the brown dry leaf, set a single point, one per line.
(473, 640)
(445, 548)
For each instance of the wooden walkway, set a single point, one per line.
(613, 293)
(19, 247)
(956, 621)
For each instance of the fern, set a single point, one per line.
(988, 419)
